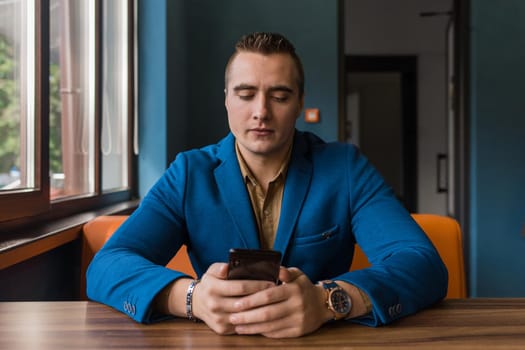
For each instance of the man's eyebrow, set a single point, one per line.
(282, 88)
(244, 87)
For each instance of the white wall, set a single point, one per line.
(395, 27)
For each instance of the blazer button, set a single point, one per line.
(394, 310)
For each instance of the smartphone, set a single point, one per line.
(254, 264)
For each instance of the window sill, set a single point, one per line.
(22, 244)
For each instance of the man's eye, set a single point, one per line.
(245, 97)
(280, 98)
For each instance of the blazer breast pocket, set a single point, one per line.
(324, 236)
(321, 255)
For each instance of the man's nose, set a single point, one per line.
(261, 108)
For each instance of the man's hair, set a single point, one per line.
(267, 44)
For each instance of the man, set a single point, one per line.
(269, 185)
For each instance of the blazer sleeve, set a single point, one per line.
(128, 272)
(406, 273)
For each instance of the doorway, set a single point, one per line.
(381, 105)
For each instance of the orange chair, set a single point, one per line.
(97, 231)
(444, 232)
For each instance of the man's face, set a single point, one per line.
(263, 103)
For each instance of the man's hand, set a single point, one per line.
(215, 298)
(291, 309)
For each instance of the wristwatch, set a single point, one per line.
(337, 300)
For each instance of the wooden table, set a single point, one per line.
(453, 324)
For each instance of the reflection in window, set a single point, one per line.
(17, 95)
(71, 118)
(114, 137)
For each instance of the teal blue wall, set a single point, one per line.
(497, 246)
(183, 49)
(215, 26)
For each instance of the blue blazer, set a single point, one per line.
(333, 198)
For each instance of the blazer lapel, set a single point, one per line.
(233, 192)
(295, 190)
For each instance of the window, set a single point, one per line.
(66, 105)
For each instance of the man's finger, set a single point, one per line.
(218, 270)
(287, 275)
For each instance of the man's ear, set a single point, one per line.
(301, 106)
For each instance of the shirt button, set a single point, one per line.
(267, 212)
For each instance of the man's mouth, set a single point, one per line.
(261, 131)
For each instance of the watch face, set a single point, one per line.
(340, 301)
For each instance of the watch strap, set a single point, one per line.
(329, 284)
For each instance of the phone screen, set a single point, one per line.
(254, 264)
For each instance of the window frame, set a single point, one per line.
(22, 207)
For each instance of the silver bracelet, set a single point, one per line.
(189, 301)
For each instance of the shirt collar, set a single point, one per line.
(247, 174)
